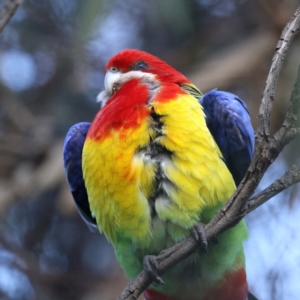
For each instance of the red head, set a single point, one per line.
(130, 64)
(136, 60)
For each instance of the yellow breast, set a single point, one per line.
(166, 169)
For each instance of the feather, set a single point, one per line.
(229, 123)
(72, 154)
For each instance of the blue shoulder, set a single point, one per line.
(72, 154)
(229, 122)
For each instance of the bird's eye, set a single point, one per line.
(140, 65)
(114, 69)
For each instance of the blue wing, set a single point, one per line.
(229, 122)
(72, 153)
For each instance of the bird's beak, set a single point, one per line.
(111, 86)
(111, 81)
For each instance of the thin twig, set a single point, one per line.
(282, 47)
(8, 11)
(292, 134)
(288, 130)
(291, 177)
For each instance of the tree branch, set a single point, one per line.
(282, 47)
(266, 150)
(8, 11)
(291, 177)
(288, 130)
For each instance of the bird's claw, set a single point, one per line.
(198, 233)
(150, 266)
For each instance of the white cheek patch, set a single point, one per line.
(117, 79)
(135, 74)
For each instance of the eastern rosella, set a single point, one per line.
(149, 167)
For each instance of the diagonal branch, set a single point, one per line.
(292, 134)
(291, 177)
(266, 151)
(288, 130)
(282, 47)
(8, 11)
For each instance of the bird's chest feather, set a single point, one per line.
(151, 167)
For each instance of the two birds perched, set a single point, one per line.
(158, 158)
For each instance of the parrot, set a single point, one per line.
(158, 158)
